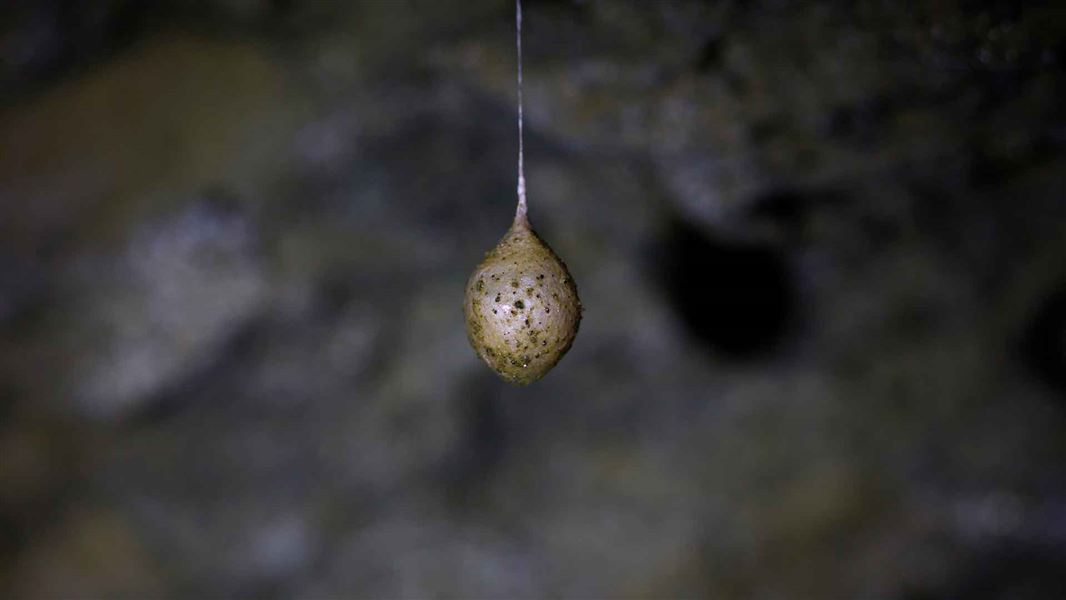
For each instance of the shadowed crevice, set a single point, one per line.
(738, 298)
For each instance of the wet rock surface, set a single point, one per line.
(819, 247)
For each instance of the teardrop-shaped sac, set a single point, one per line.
(522, 308)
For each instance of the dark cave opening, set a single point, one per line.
(736, 297)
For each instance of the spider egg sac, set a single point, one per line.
(522, 309)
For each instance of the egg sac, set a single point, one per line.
(522, 309)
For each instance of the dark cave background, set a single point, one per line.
(820, 247)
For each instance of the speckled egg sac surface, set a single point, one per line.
(522, 309)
